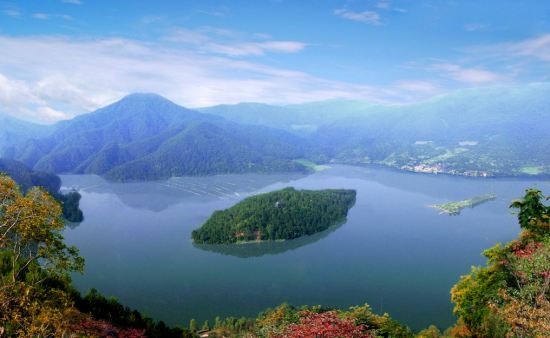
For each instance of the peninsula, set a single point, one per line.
(455, 207)
(277, 215)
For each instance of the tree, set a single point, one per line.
(510, 296)
(206, 326)
(431, 332)
(326, 324)
(525, 307)
(193, 325)
(32, 253)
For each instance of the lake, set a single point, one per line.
(392, 251)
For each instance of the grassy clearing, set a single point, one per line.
(440, 158)
(530, 170)
(312, 165)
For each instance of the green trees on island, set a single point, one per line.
(277, 215)
(455, 207)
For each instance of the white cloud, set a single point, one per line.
(397, 9)
(258, 49)
(538, 48)
(262, 36)
(427, 87)
(74, 76)
(525, 58)
(369, 17)
(76, 2)
(47, 16)
(204, 38)
(467, 75)
(187, 36)
(49, 114)
(383, 5)
(151, 18)
(41, 16)
(11, 13)
(475, 27)
(15, 96)
(220, 11)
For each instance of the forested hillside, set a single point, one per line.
(145, 136)
(14, 131)
(302, 119)
(493, 130)
(26, 179)
(277, 215)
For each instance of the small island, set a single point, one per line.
(277, 215)
(455, 207)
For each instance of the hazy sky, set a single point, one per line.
(61, 58)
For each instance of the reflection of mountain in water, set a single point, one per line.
(71, 225)
(268, 248)
(159, 195)
(441, 186)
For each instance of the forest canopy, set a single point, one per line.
(277, 215)
(26, 179)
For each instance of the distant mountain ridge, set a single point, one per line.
(301, 119)
(13, 130)
(508, 125)
(145, 136)
(488, 131)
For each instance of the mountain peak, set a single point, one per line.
(143, 98)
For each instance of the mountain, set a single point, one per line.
(500, 130)
(480, 131)
(506, 128)
(301, 119)
(145, 136)
(14, 131)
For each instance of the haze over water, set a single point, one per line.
(392, 252)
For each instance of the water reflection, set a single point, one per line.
(71, 225)
(136, 238)
(260, 249)
(159, 195)
(433, 185)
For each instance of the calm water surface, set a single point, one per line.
(392, 252)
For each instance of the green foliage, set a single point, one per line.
(138, 137)
(530, 208)
(26, 179)
(455, 207)
(34, 263)
(277, 215)
(510, 296)
(110, 309)
(193, 325)
(145, 136)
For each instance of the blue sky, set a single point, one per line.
(61, 58)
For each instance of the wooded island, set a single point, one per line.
(455, 207)
(277, 215)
